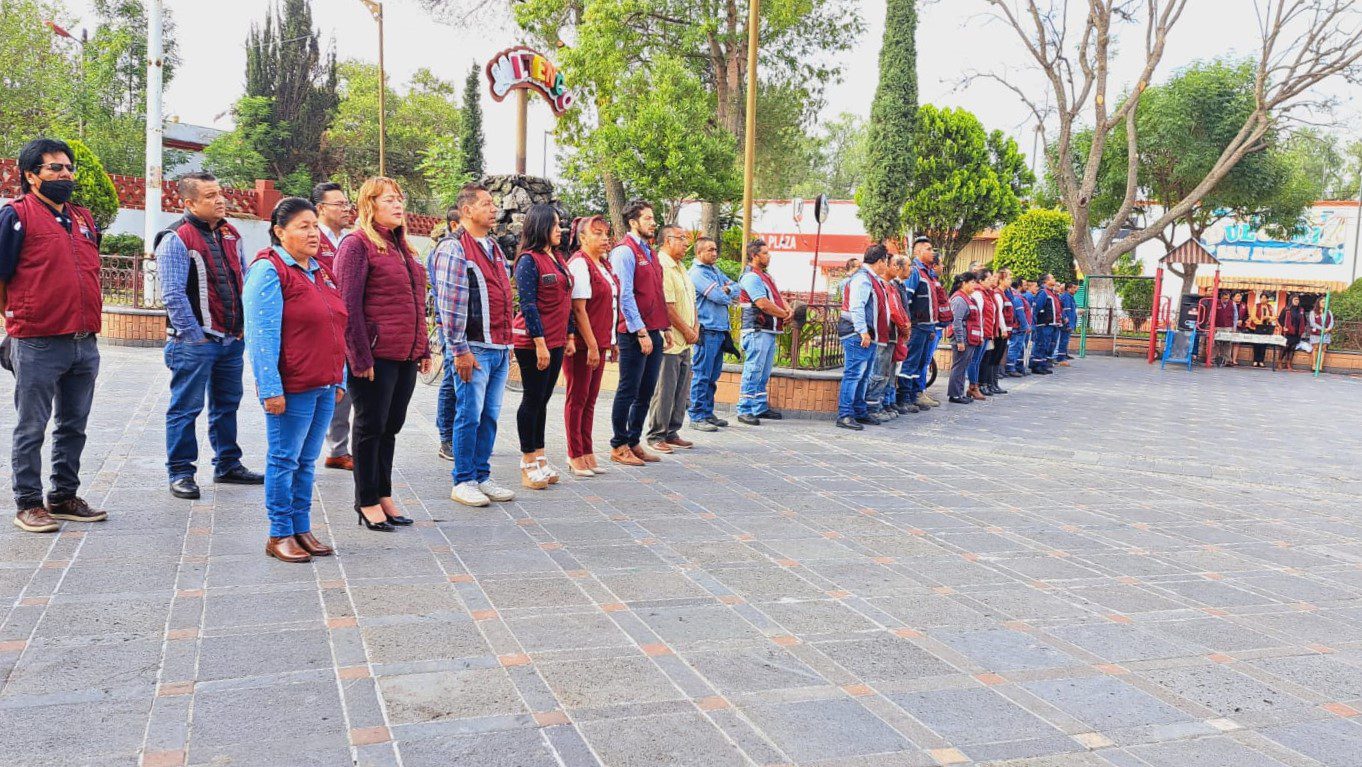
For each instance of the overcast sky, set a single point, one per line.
(955, 38)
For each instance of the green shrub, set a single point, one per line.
(1347, 306)
(94, 189)
(1037, 243)
(121, 245)
(1137, 296)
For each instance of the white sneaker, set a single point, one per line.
(496, 492)
(468, 494)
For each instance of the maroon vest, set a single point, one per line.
(55, 286)
(224, 280)
(756, 319)
(394, 297)
(974, 322)
(488, 323)
(648, 293)
(600, 308)
(881, 307)
(990, 313)
(326, 253)
(312, 335)
(1009, 311)
(554, 301)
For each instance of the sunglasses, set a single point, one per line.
(58, 167)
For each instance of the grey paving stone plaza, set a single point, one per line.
(1110, 567)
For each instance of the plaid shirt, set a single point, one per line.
(449, 279)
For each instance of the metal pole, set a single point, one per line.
(1357, 228)
(522, 110)
(813, 279)
(382, 97)
(1154, 312)
(750, 131)
(153, 171)
(1083, 326)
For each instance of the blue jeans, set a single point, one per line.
(445, 398)
(881, 370)
(1016, 346)
(476, 411)
(976, 359)
(54, 379)
(213, 368)
(1062, 344)
(856, 362)
(706, 366)
(759, 354)
(913, 371)
(294, 440)
(1042, 346)
(633, 395)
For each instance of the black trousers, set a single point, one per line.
(993, 359)
(1260, 350)
(534, 402)
(380, 410)
(638, 380)
(1289, 353)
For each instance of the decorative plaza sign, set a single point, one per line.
(522, 68)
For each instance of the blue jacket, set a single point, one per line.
(714, 292)
(1067, 301)
(860, 307)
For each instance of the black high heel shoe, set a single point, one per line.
(382, 527)
(400, 520)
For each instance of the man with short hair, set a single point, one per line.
(1021, 314)
(1049, 316)
(763, 316)
(51, 299)
(335, 215)
(668, 410)
(862, 327)
(1069, 306)
(445, 399)
(198, 260)
(643, 317)
(714, 293)
(475, 306)
(880, 393)
(852, 264)
(929, 312)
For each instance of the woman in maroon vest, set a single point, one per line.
(543, 332)
(295, 336)
(595, 308)
(1292, 321)
(384, 287)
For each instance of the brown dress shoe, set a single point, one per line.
(36, 520)
(644, 455)
(624, 455)
(679, 442)
(75, 510)
(343, 462)
(661, 447)
(975, 393)
(313, 546)
(286, 549)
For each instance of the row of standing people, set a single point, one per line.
(1294, 322)
(896, 310)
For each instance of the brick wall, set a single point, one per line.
(133, 327)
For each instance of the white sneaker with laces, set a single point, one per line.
(469, 494)
(496, 492)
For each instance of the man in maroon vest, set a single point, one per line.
(763, 316)
(198, 260)
(50, 295)
(335, 216)
(643, 310)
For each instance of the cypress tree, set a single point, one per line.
(893, 117)
(470, 132)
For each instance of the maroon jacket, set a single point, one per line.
(55, 286)
(385, 295)
(312, 335)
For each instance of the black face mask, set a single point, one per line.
(58, 191)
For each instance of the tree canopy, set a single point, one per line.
(893, 123)
(965, 180)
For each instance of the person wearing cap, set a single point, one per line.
(929, 312)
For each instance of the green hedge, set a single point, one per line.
(1037, 243)
(94, 189)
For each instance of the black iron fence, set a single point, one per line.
(809, 340)
(129, 281)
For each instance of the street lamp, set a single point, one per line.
(376, 10)
(82, 41)
(750, 139)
